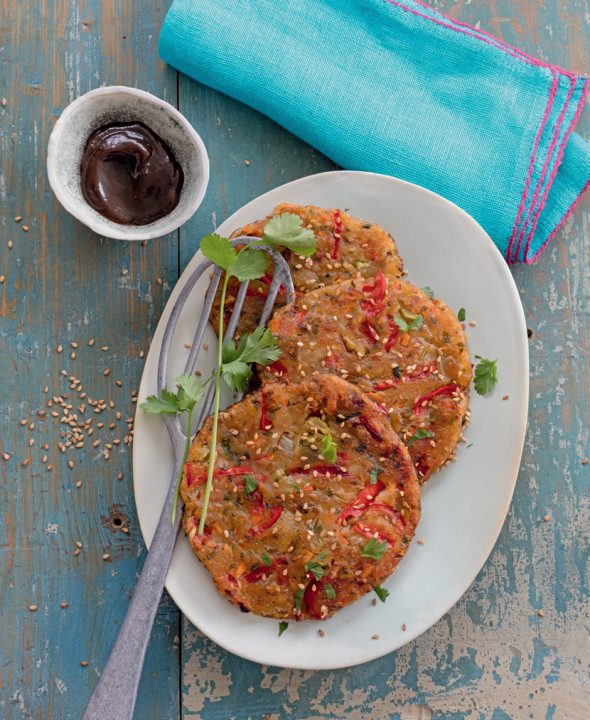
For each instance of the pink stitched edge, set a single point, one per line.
(514, 52)
(555, 169)
(531, 260)
(548, 159)
(553, 92)
(506, 46)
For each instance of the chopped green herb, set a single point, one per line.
(381, 593)
(329, 448)
(374, 549)
(315, 569)
(427, 291)
(420, 434)
(461, 315)
(299, 598)
(283, 625)
(322, 555)
(295, 486)
(330, 592)
(251, 484)
(486, 375)
(373, 476)
(266, 560)
(405, 326)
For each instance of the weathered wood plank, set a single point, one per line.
(65, 285)
(492, 655)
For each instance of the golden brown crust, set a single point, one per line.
(421, 376)
(303, 508)
(362, 247)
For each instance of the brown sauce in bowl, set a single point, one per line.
(129, 174)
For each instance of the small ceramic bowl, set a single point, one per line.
(124, 104)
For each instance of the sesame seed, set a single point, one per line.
(5, 456)
(104, 348)
(106, 556)
(585, 461)
(78, 484)
(9, 244)
(246, 162)
(404, 627)
(321, 633)
(125, 272)
(63, 604)
(420, 542)
(540, 613)
(78, 544)
(26, 228)
(375, 636)
(2, 278)
(91, 342)
(84, 663)
(32, 608)
(18, 218)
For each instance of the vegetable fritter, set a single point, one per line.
(406, 350)
(314, 499)
(346, 246)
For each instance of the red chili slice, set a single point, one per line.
(362, 501)
(193, 478)
(231, 580)
(278, 368)
(273, 516)
(369, 331)
(422, 469)
(265, 421)
(268, 280)
(315, 597)
(332, 360)
(371, 531)
(388, 510)
(337, 232)
(393, 334)
(258, 572)
(320, 469)
(443, 390)
(377, 291)
(362, 420)
(386, 384)
(256, 292)
(371, 308)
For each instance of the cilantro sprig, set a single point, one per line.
(374, 549)
(406, 326)
(486, 375)
(420, 434)
(190, 391)
(381, 593)
(233, 360)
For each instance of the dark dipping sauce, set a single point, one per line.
(129, 175)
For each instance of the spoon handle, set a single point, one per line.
(116, 692)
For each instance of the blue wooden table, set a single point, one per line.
(77, 313)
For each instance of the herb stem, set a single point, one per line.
(213, 448)
(186, 450)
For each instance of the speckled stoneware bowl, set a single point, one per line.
(124, 104)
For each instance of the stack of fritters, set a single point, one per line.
(370, 364)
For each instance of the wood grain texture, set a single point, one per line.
(63, 285)
(492, 656)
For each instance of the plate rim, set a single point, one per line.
(501, 266)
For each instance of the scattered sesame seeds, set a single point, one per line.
(540, 613)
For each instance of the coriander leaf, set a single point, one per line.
(190, 391)
(258, 346)
(283, 625)
(486, 376)
(461, 315)
(297, 487)
(427, 291)
(249, 265)
(251, 484)
(401, 323)
(287, 230)
(167, 403)
(420, 434)
(373, 476)
(374, 549)
(219, 250)
(330, 592)
(381, 592)
(322, 555)
(266, 560)
(416, 323)
(299, 598)
(315, 569)
(329, 448)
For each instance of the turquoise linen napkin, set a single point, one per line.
(398, 88)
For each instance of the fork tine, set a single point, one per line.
(200, 331)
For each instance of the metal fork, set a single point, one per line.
(116, 692)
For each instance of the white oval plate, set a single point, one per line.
(463, 506)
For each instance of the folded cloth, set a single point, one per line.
(398, 88)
